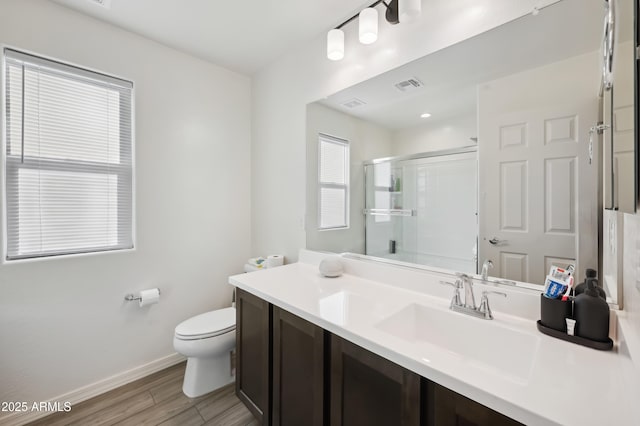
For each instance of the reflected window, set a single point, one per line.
(333, 182)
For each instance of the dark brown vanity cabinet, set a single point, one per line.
(444, 407)
(291, 372)
(367, 389)
(253, 351)
(298, 371)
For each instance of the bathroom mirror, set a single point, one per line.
(501, 170)
(618, 118)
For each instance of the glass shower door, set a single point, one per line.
(386, 211)
(424, 210)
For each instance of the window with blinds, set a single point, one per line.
(68, 159)
(333, 183)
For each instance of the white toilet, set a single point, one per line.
(207, 341)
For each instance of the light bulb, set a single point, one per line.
(368, 26)
(409, 10)
(335, 44)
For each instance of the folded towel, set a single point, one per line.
(258, 262)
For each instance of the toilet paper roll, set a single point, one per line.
(149, 297)
(275, 260)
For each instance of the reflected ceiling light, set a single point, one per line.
(335, 44)
(409, 10)
(425, 115)
(368, 26)
(367, 29)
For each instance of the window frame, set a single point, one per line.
(323, 137)
(43, 163)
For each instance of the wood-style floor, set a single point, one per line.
(156, 400)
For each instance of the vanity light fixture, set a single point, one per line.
(335, 44)
(425, 115)
(368, 24)
(409, 10)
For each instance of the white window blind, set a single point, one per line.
(333, 182)
(68, 164)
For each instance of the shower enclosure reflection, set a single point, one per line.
(422, 209)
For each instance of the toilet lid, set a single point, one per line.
(208, 324)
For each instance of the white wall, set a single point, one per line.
(453, 132)
(63, 321)
(366, 141)
(630, 318)
(281, 92)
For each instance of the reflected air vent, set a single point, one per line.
(353, 103)
(103, 3)
(409, 85)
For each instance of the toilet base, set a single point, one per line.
(204, 375)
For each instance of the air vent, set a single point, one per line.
(353, 103)
(103, 3)
(409, 85)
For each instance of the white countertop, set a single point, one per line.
(550, 381)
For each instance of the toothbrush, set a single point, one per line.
(565, 297)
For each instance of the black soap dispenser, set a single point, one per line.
(580, 288)
(591, 313)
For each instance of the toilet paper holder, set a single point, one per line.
(132, 297)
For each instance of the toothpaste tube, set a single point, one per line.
(554, 288)
(560, 274)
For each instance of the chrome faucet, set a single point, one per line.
(485, 269)
(469, 306)
(467, 284)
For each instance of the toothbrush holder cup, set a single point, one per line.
(553, 313)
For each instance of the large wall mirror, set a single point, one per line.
(489, 150)
(618, 115)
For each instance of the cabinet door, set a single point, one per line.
(367, 389)
(253, 331)
(298, 371)
(444, 407)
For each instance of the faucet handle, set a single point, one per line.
(485, 293)
(455, 300)
(457, 284)
(484, 303)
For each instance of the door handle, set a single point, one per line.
(494, 241)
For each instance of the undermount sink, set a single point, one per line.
(481, 344)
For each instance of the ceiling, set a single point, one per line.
(241, 35)
(450, 76)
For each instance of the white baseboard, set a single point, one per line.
(97, 388)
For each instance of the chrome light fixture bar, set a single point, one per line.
(396, 11)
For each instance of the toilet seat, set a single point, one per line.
(209, 324)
